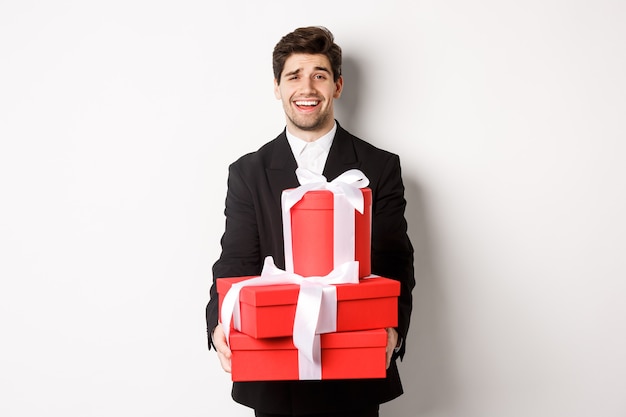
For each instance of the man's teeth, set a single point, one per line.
(306, 103)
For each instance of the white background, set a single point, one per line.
(118, 120)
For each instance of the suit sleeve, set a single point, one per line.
(240, 242)
(392, 252)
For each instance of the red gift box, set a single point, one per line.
(269, 311)
(312, 231)
(348, 355)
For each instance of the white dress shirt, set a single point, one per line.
(312, 155)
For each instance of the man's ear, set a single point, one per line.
(338, 87)
(276, 90)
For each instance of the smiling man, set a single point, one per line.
(307, 80)
(307, 88)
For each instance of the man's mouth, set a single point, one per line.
(306, 104)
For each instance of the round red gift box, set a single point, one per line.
(312, 230)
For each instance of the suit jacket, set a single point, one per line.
(254, 231)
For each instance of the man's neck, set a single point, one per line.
(330, 134)
(309, 135)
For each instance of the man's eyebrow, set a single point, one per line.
(294, 72)
(297, 71)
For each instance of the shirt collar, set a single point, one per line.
(297, 145)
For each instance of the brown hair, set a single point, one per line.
(307, 40)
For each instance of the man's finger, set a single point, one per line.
(224, 361)
(392, 340)
(223, 351)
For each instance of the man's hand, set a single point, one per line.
(392, 342)
(223, 351)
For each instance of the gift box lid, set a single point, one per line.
(341, 340)
(224, 284)
(323, 200)
(267, 295)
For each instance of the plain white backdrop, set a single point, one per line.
(118, 120)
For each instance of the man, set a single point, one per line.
(307, 79)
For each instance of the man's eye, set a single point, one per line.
(320, 77)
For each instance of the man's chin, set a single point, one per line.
(309, 126)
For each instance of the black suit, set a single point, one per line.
(254, 231)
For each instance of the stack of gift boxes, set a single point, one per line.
(276, 333)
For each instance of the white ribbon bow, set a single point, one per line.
(347, 198)
(316, 311)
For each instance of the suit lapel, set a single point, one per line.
(281, 173)
(341, 156)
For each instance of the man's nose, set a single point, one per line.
(308, 86)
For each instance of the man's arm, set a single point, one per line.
(392, 252)
(240, 242)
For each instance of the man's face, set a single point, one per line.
(307, 91)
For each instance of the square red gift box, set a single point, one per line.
(348, 355)
(269, 311)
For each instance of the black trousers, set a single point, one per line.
(366, 412)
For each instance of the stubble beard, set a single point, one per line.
(312, 124)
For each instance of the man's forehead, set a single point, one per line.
(300, 62)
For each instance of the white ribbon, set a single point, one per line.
(347, 197)
(316, 310)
